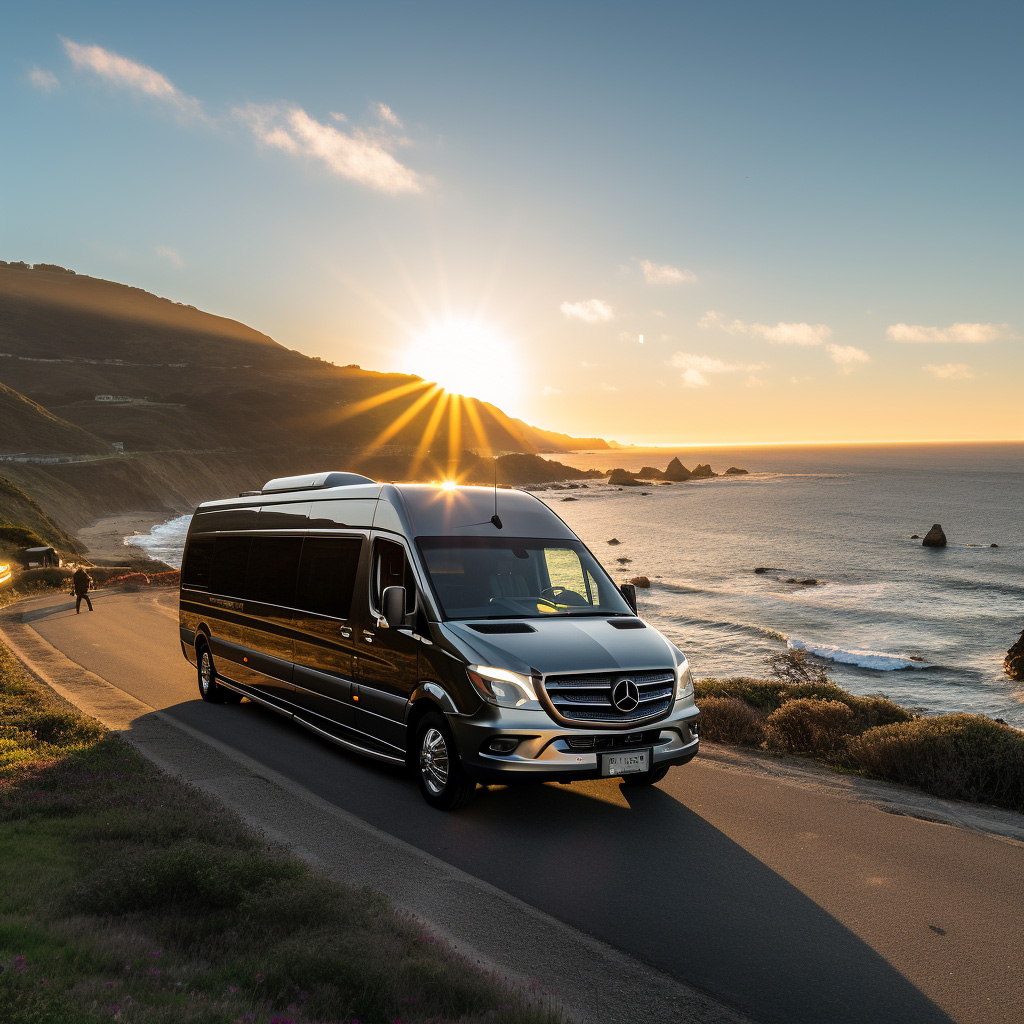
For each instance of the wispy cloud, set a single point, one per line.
(847, 357)
(664, 273)
(356, 155)
(387, 115)
(129, 74)
(169, 253)
(45, 81)
(549, 390)
(971, 334)
(950, 371)
(777, 334)
(696, 368)
(590, 311)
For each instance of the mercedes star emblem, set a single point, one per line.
(626, 696)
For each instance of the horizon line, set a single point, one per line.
(822, 444)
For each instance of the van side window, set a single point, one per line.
(273, 568)
(327, 575)
(390, 569)
(230, 560)
(198, 559)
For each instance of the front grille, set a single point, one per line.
(613, 742)
(588, 698)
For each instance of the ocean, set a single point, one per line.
(927, 627)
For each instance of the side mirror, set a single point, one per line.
(629, 593)
(393, 601)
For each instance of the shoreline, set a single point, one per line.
(105, 542)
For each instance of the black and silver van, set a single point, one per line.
(463, 631)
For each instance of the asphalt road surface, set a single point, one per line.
(790, 903)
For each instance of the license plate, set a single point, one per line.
(626, 763)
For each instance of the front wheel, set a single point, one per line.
(209, 689)
(648, 778)
(442, 779)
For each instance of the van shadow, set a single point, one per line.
(654, 878)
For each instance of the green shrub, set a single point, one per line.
(730, 720)
(807, 725)
(966, 757)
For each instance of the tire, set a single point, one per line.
(442, 779)
(209, 689)
(646, 778)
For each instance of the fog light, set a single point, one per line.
(502, 745)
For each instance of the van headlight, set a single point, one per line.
(502, 687)
(684, 681)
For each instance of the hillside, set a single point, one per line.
(205, 405)
(199, 381)
(18, 509)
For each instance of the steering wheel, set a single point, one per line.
(568, 596)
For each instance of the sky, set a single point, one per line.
(676, 223)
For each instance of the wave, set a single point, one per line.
(165, 541)
(862, 659)
(726, 625)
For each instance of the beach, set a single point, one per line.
(108, 537)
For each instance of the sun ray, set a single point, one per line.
(429, 431)
(400, 421)
(454, 434)
(473, 415)
(385, 396)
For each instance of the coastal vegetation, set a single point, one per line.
(801, 711)
(126, 895)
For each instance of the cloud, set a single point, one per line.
(696, 368)
(846, 356)
(779, 334)
(663, 273)
(951, 371)
(590, 311)
(387, 115)
(355, 155)
(549, 390)
(128, 74)
(170, 254)
(46, 81)
(972, 334)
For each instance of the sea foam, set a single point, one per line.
(862, 659)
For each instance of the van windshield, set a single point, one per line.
(518, 578)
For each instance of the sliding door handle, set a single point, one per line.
(346, 632)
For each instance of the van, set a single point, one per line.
(465, 632)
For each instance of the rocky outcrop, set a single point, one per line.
(736, 471)
(623, 478)
(614, 541)
(1014, 660)
(650, 473)
(677, 472)
(640, 582)
(703, 472)
(934, 538)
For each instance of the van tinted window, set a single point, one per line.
(198, 559)
(230, 560)
(327, 575)
(273, 567)
(390, 569)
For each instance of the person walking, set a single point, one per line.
(80, 583)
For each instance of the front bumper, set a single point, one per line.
(545, 754)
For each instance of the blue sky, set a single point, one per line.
(810, 212)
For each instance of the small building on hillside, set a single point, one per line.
(117, 399)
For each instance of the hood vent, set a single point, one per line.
(501, 627)
(627, 623)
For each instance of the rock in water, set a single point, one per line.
(703, 472)
(1014, 660)
(614, 540)
(640, 582)
(622, 477)
(735, 471)
(677, 471)
(934, 538)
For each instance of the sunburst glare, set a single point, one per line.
(467, 358)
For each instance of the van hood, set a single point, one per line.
(564, 644)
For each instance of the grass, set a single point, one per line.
(963, 757)
(127, 896)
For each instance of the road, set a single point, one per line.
(786, 901)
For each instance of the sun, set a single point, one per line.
(467, 358)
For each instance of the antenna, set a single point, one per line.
(496, 519)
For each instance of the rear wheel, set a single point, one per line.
(646, 778)
(209, 689)
(442, 779)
